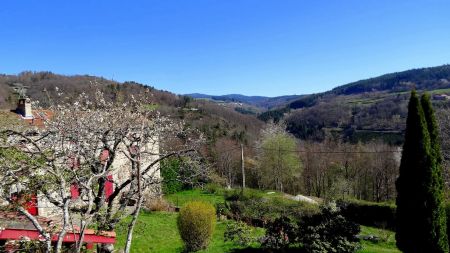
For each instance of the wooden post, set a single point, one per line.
(243, 167)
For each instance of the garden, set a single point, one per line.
(252, 222)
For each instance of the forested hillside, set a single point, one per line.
(362, 110)
(214, 120)
(338, 120)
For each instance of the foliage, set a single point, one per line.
(245, 110)
(335, 170)
(156, 204)
(328, 231)
(306, 101)
(243, 194)
(172, 179)
(157, 232)
(280, 233)
(381, 215)
(420, 218)
(279, 162)
(239, 233)
(273, 115)
(447, 212)
(196, 224)
(400, 81)
(436, 198)
(258, 209)
(213, 188)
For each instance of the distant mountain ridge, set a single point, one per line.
(430, 78)
(258, 101)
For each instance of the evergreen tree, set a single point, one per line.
(436, 189)
(419, 223)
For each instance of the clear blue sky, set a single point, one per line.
(252, 47)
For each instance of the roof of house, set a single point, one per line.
(14, 226)
(39, 117)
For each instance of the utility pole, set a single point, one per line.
(243, 168)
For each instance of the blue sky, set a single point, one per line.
(252, 47)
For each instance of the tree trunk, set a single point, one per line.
(47, 236)
(63, 231)
(132, 225)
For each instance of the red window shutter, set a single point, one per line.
(32, 205)
(29, 202)
(74, 191)
(109, 186)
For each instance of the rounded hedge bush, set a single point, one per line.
(196, 223)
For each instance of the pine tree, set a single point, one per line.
(436, 196)
(419, 219)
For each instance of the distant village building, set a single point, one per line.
(441, 97)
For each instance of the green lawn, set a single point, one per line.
(181, 198)
(387, 245)
(157, 231)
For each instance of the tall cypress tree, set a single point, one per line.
(436, 198)
(411, 197)
(419, 194)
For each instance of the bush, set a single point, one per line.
(447, 211)
(259, 211)
(213, 188)
(242, 195)
(196, 223)
(223, 210)
(328, 231)
(170, 169)
(280, 233)
(157, 204)
(380, 215)
(239, 233)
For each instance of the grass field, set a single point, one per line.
(385, 246)
(157, 231)
(181, 198)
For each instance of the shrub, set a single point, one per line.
(372, 214)
(223, 210)
(447, 211)
(261, 210)
(242, 195)
(157, 204)
(239, 233)
(213, 188)
(170, 169)
(328, 231)
(280, 233)
(196, 223)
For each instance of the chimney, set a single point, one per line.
(24, 108)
